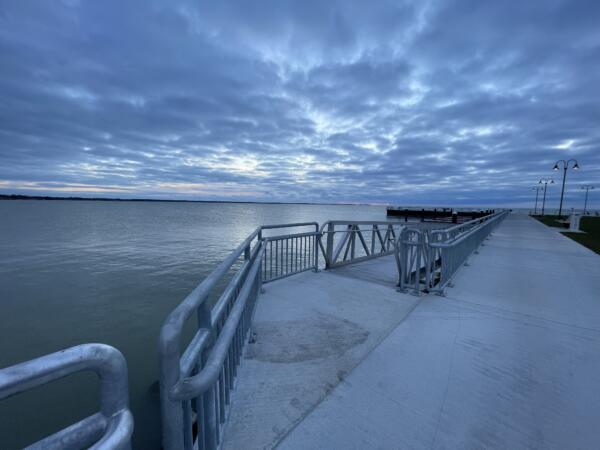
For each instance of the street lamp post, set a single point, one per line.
(537, 190)
(587, 189)
(545, 182)
(565, 165)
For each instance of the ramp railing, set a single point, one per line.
(454, 253)
(428, 259)
(111, 427)
(411, 259)
(196, 384)
(348, 242)
(289, 254)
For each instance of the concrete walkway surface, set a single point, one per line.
(509, 359)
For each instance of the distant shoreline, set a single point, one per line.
(109, 199)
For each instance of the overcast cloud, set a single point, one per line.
(425, 102)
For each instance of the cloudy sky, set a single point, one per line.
(425, 102)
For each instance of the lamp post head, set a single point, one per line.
(551, 181)
(555, 167)
(576, 166)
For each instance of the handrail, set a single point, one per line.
(454, 253)
(193, 386)
(195, 383)
(380, 245)
(111, 428)
(290, 254)
(213, 325)
(290, 225)
(429, 261)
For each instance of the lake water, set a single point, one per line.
(80, 271)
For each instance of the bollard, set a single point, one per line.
(574, 220)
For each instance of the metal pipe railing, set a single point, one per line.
(351, 244)
(427, 259)
(112, 426)
(289, 254)
(455, 252)
(195, 386)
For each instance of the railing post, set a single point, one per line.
(261, 275)
(329, 252)
(428, 258)
(171, 411)
(373, 230)
(316, 247)
(204, 321)
(402, 259)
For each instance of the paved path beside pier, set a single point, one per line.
(509, 359)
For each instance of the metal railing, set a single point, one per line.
(411, 259)
(195, 386)
(290, 254)
(357, 241)
(196, 383)
(427, 259)
(455, 252)
(112, 426)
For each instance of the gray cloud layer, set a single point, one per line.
(463, 102)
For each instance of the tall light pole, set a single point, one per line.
(587, 188)
(545, 182)
(565, 165)
(537, 190)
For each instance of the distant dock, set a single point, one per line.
(446, 215)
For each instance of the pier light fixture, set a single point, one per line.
(545, 182)
(587, 188)
(565, 166)
(537, 190)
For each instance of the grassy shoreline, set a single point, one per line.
(590, 226)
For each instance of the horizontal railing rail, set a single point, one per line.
(357, 240)
(110, 428)
(287, 225)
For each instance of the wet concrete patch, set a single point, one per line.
(304, 340)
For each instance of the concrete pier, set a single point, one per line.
(508, 359)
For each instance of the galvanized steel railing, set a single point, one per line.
(357, 241)
(196, 384)
(411, 258)
(427, 259)
(455, 252)
(112, 426)
(289, 254)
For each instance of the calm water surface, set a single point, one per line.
(74, 271)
